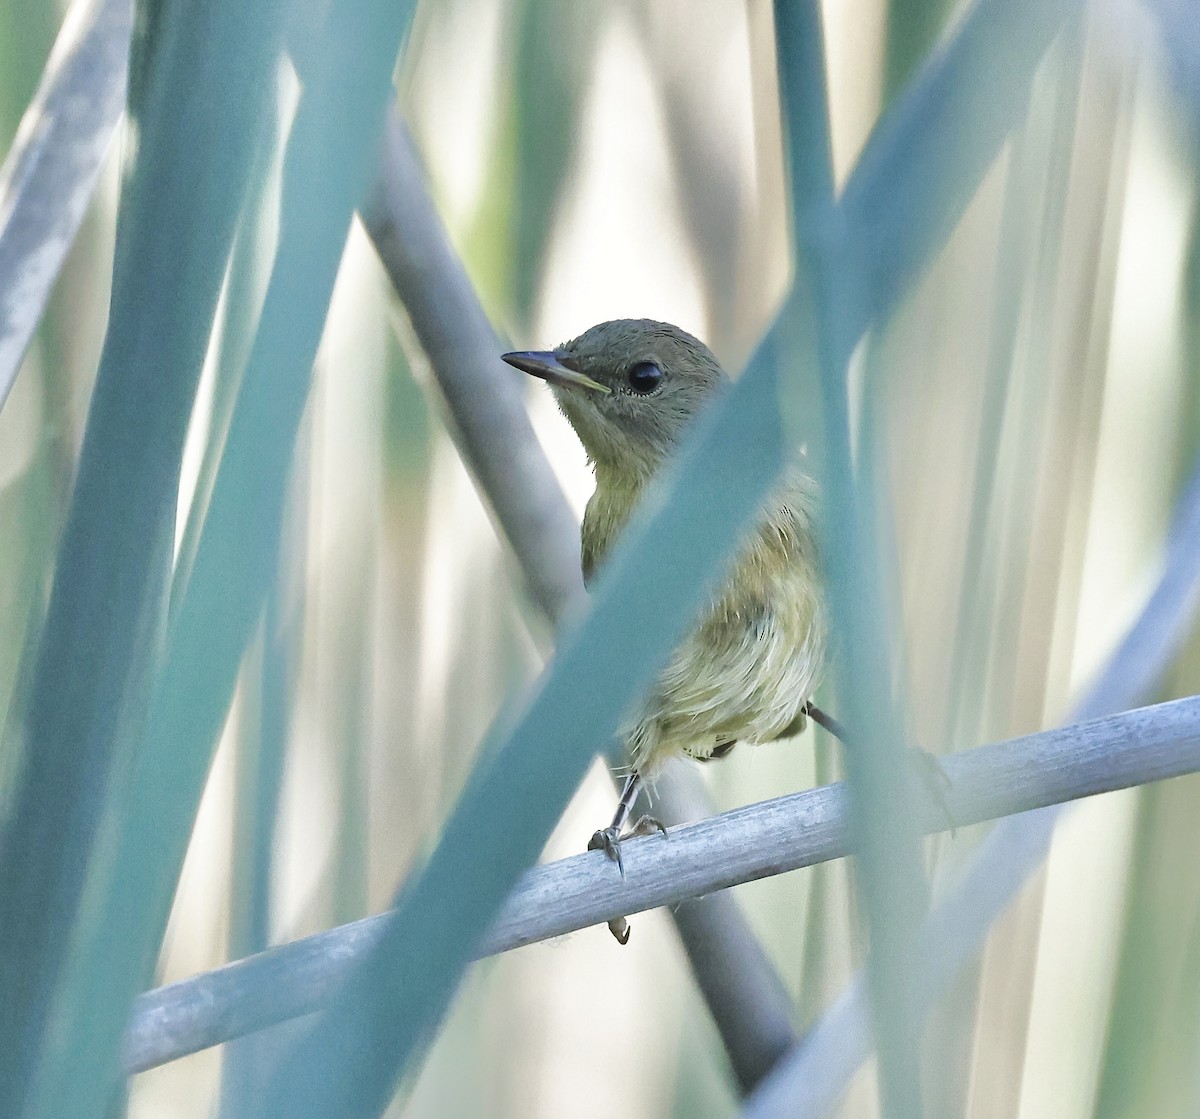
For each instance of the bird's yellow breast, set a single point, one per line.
(749, 665)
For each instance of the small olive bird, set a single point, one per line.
(746, 672)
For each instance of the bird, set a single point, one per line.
(747, 669)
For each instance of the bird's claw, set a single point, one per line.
(646, 825)
(620, 929)
(609, 840)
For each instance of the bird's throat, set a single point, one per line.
(608, 510)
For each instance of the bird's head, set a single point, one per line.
(629, 387)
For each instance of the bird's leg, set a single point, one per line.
(933, 776)
(812, 711)
(609, 839)
(629, 792)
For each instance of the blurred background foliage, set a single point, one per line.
(1037, 405)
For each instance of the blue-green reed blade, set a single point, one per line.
(888, 865)
(194, 115)
(330, 156)
(926, 156)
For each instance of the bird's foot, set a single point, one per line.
(609, 839)
(925, 765)
(646, 825)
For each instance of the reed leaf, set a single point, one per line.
(327, 166)
(194, 116)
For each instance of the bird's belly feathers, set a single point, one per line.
(744, 673)
(747, 669)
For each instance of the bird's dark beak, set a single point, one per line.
(546, 364)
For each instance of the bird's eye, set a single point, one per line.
(644, 377)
